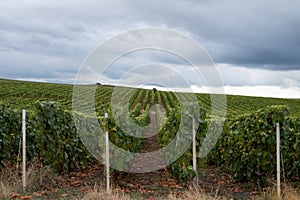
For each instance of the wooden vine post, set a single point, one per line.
(194, 151)
(278, 158)
(107, 156)
(24, 149)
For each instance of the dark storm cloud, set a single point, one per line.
(48, 37)
(254, 33)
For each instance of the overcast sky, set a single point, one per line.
(254, 44)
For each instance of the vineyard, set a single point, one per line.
(21, 94)
(245, 150)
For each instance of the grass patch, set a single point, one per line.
(288, 192)
(43, 183)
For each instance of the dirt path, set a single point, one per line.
(154, 183)
(216, 182)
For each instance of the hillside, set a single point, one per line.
(21, 94)
(53, 139)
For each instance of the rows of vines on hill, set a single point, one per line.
(22, 94)
(168, 117)
(52, 136)
(247, 139)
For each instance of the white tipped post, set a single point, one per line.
(24, 149)
(278, 158)
(194, 150)
(194, 147)
(107, 157)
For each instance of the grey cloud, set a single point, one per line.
(57, 35)
(242, 76)
(257, 32)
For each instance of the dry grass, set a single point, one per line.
(10, 183)
(5, 190)
(38, 175)
(11, 178)
(288, 193)
(99, 193)
(194, 193)
(102, 195)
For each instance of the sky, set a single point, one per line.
(255, 45)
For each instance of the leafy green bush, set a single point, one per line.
(10, 128)
(182, 168)
(56, 139)
(50, 136)
(247, 147)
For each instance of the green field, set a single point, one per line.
(22, 94)
(245, 149)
